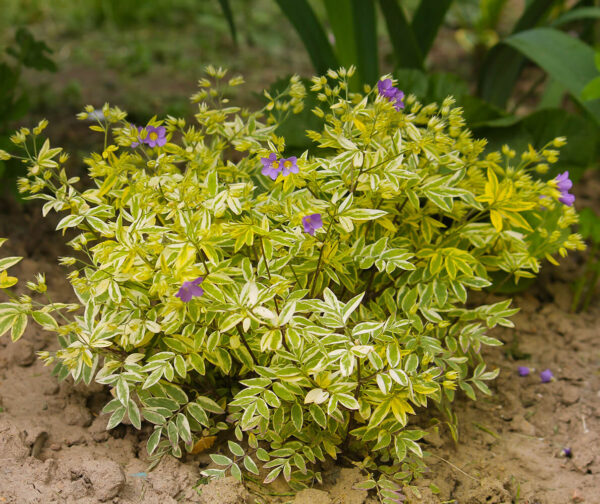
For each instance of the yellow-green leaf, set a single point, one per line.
(18, 327)
(7, 281)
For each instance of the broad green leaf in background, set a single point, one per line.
(591, 91)
(565, 59)
(503, 64)
(308, 27)
(552, 96)
(411, 80)
(430, 87)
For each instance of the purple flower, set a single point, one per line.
(288, 165)
(190, 289)
(135, 144)
(393, 94)
(386, 88)
(567, 452)
(567, 198)
(563, 184)
(523, 371)
(155, 136)
(271, 167)
(546, 376)
(312, 223)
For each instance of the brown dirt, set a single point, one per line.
(54, 449)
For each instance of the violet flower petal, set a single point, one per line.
(567, 198)
(288, 165)
(306, 223)
(190, 289)
(271, 167)
(562, 182)
(394, 95)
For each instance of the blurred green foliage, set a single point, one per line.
(24, 52)
(591, 91)
(585, 285)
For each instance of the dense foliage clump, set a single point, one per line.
(309, 304)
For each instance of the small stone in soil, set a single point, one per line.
(106, 477)
(76, 414)
(23, 353)
(570, 394)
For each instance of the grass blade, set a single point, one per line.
(406, 49)
(311, 33)
(490, 11)
(226, 8)
(535, 12)
(427, 20)
(565, 59)
(341, 20)
(365, 32)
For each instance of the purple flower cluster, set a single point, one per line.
(311, 223)
(564, 184)
(190, 289)
(273, 167)
(154, 136)
(393, 94)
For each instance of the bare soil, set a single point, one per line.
(54, 447)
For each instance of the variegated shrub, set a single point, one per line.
(311, 314)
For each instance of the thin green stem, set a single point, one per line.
(319, 261)
(262, 249)
(246, 344)
(294, 273)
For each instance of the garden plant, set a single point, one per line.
(297, 308)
